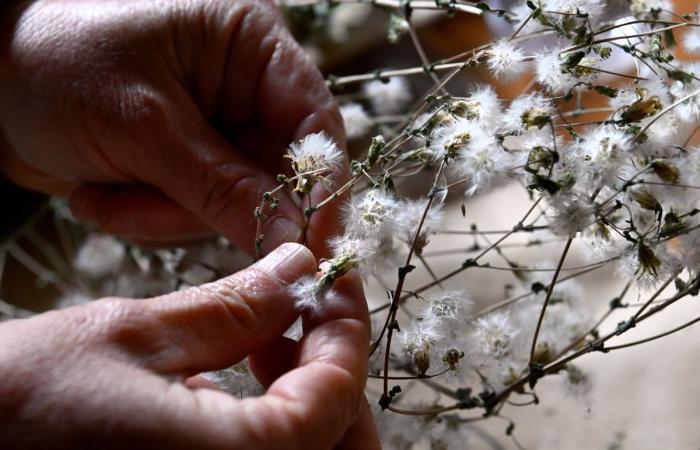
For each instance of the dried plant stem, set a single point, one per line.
(653, 338)
(403, 273)
(394, 4)
(664, 111)
(550, 289)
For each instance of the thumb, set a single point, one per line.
(218, 324)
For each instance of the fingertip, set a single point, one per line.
(279, 230)
(288, 262)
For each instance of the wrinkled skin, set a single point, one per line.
(114, 373)
(163, 120)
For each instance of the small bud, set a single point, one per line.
(452, 357)
(422, 359)
(375, 149)
(543, 354)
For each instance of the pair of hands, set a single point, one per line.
(163, 121)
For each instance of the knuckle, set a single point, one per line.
(122, 323)
(139, 105)
(224, 300)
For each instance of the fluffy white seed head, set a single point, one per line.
(506, 61)
(552, 72)
(571, 212)
(691, 40)
(446, 305)
(371, 214)
(528, 112)
(316, 152)
(408, 217)
(600, 153)
(310, 295)
(495, 334)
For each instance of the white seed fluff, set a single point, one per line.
(316, 152)
(506, 61)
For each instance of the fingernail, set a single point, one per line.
(288, 262)
(280, 230)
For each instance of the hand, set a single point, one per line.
(162, 119)
(112, 374)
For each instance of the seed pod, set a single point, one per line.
(666, 170)
(648, 260)
(452, 357)
(641, 109)
(543, 354)
(646, 200)
(422, 359)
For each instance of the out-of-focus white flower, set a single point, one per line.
(689, 110)
(388, 97)
(357, 122)
(72, 299)
(691, 40)
(571, 213)
(197, 274)
(345, 19)
(594, 8)
(408, 216)
(506, 61)
(577, 382)
(495, 334)
(644, 7)
(99, 256)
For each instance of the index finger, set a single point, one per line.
(293, 99)
(313, 405)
